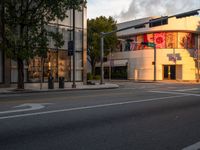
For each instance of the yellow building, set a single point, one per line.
(177, 41)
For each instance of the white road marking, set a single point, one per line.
(195, 146)
(171, 92)
(88, 107)
(32, 106)
(187, 89)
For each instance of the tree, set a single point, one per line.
(95, 27)
(26, 28)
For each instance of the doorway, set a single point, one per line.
(169, 72)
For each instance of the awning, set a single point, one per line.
(114, 63)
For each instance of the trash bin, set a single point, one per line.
(50, 83)
(61, 82)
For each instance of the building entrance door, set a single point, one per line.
(169, 72)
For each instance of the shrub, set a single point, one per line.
(97, 77)
(89, 76)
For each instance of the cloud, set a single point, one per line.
(106, 7)
(146, 8)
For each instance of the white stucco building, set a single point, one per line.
(177, 41)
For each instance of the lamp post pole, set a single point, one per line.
(154, 62)
(74, 51)
(198, 48)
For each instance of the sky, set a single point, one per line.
(125, 10)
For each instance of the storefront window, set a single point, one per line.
(56, 64)
(67, 36)
(64, 65)
(14, 72)
(34, 69)
(51, 65)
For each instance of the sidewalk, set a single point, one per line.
(35, 87)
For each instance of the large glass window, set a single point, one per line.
(57, 64)
(14, 72)
(51, 65)
(79, 19)
(79, 40)
(34, 69)
(64, 65)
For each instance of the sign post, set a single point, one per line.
(153, 45)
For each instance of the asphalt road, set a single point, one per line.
(136, 116)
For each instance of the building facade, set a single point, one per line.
(177, 44)
(58, 62)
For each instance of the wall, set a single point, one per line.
(141, 68)
(183, 24)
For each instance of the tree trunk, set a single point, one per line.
(93, 64)
(20, 84)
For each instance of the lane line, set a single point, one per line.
(89, 107)
(170, 92)
(183, 90)
(72, 96)
(195, 146)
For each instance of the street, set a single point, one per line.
(135, 116)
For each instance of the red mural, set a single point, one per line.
(148, 38)
(159, 39)
(171, 39)
(163, 40)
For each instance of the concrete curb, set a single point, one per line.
(91, 87)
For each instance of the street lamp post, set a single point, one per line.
(154, 62)
(198, 48)
(74, 51)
